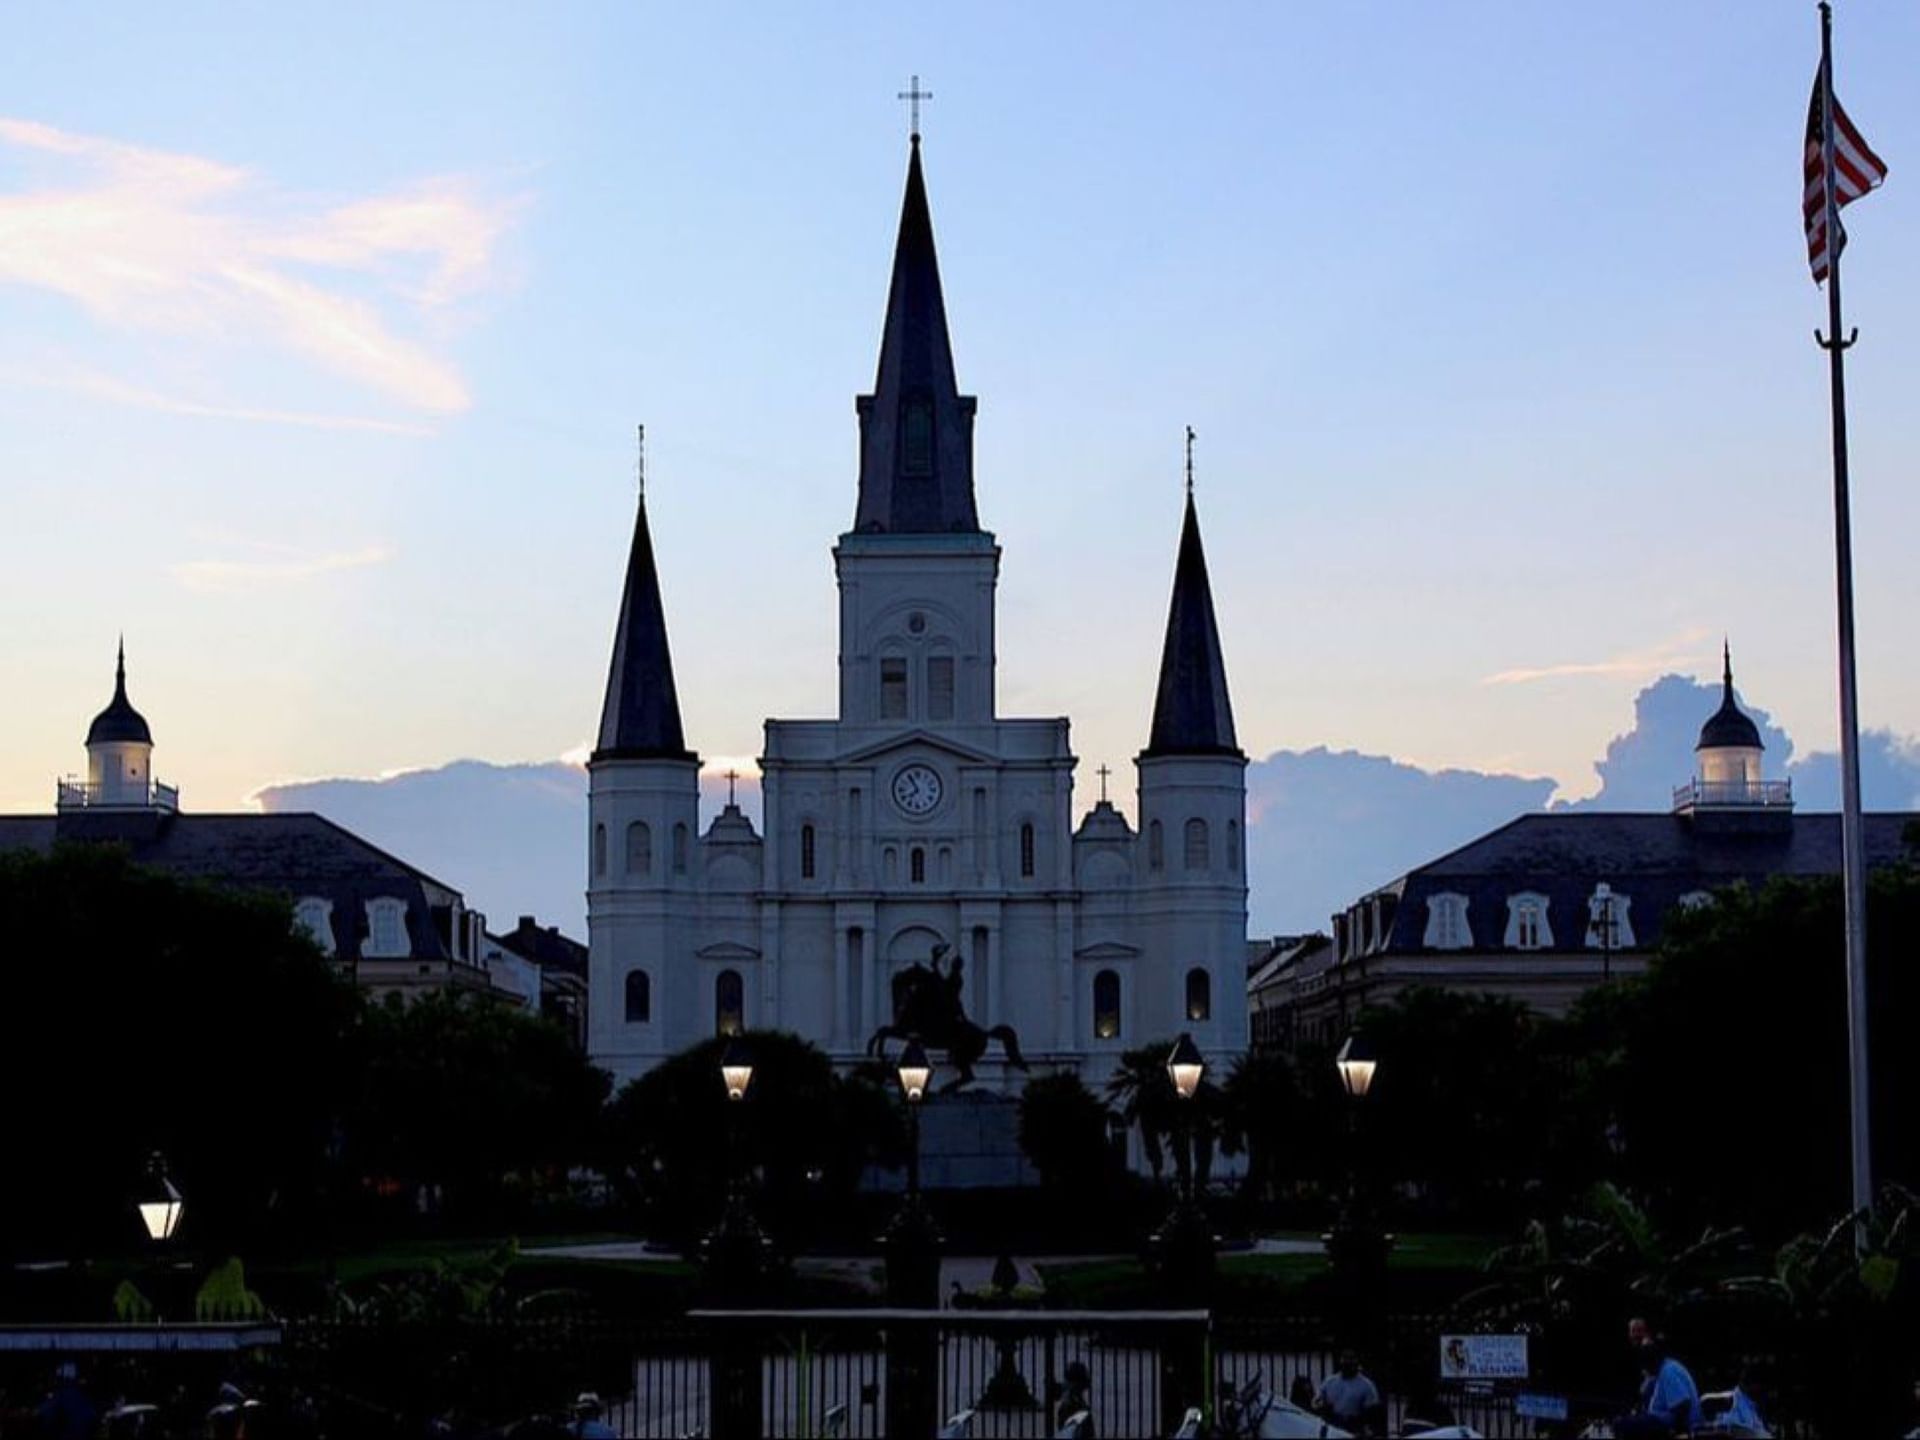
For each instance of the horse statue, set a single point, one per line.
(927, 1006)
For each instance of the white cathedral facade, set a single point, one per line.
(919, 817)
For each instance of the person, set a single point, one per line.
(588, 1419)
(1300, 1393)
(1075, 1396)
(1669, 1400)
(67, 1413)
(1347, 1397)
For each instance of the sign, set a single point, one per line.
(1540, 1407)
(1483, 1357)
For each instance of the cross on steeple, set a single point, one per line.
(913, 94)
(1103, 772)
(732, 776)
(1189, 459)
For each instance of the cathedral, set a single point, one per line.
(919, 822)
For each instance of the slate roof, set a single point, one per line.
(640, 719)
(1192, 712)
(545, 947)
(292, 854)
(119, 722)
(916, 428)
(1652, 860)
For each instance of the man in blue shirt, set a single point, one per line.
(1669, 1400)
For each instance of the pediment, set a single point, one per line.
(1108, 950)
(911, 738)
(727, 950)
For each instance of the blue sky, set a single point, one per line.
(323, 334)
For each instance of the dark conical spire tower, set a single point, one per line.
(119, 723)
(641, 717)
(1192, 713)
(1729, 727)
(916, 428)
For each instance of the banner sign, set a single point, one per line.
(1540, 1407)
(1483, 1357)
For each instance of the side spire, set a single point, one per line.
(641, 717)
(1192, 711)
(916, 428)
(119, 723)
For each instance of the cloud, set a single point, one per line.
(1682, 649)
(1642, 766)
(1324, 826)
(87, 381)
(1889, 774)
(153, 241)
(230, 575)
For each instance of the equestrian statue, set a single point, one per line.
(927, 1007)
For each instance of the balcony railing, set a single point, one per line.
(1704, 794)
(76, 794)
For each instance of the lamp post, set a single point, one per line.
(912, 1249)
(1186, 1067)
(1356, 1248)
(1184, 1244)
(734, 1250)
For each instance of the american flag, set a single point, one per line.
(1856, 170)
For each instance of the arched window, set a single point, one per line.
(806, 852)
(1199, 994)
(917, 865)
(1156, 846)
(1197, 858)
(1233, 844)
(1106, 1005)
(680, 849)
(1026, 851)
(639, 997)
(639, 848)
(729, 1003)
(599, 849)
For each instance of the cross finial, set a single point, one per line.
(913, 94)
(1189, 459)
(640, 462)
(1103, 772)
(732, 776)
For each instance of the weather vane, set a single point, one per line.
(914, 95)
(1189, 459)
(640, 463)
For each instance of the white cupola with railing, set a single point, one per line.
(1729, 752)
(119, 760)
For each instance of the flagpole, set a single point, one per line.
(1853, 862)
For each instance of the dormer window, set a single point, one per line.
(386, 929)
(1527, 927)
(1447, 927)
(313, 917)
(1609, 926)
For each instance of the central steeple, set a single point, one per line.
(916, 428)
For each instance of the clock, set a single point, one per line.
(916, 789)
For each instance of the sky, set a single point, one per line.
(323, 336)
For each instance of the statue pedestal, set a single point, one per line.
(969, 1140)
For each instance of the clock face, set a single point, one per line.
(916, 789)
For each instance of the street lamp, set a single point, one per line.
(1185, 1067)
(736, 1068)
(160, 1203)
(1357, 1062)
(915, 1072)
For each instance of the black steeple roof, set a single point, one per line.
(641, 717)
(119, 722)
(1729, 728)
(916, 429)
(1192, 714)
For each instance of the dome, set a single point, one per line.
(119, 723)
(1729, 728)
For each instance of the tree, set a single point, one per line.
(1262, 1113)
(1144, 1093)
(1063, 1131)
(673, 1137)
(148, 1012)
